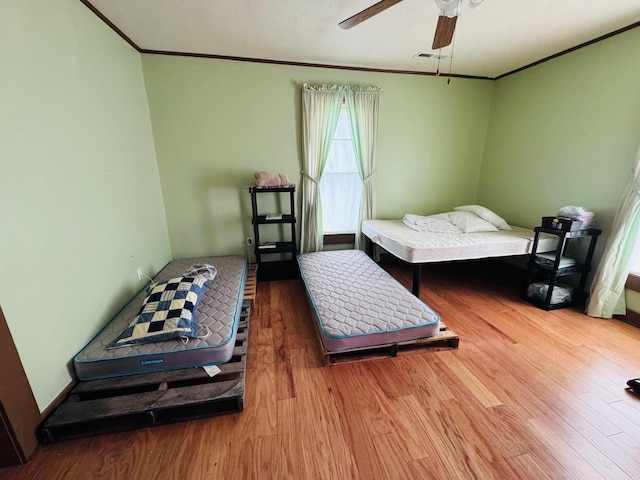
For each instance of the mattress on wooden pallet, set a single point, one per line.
(219, 310)
(357, 304)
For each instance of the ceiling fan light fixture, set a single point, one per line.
(448, 8)
(449, 12)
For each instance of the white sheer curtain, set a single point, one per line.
(363, 105)
(341, 185)
(607, 287)
(320, 111)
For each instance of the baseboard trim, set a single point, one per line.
(58, 400)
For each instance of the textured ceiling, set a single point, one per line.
(495, 38)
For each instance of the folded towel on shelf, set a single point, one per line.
(577, 213)
(268, 179)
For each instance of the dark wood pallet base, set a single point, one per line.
(445, 340)
(124, 403)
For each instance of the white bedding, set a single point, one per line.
(427, 247)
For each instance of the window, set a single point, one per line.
(635, 262)
(341, 186)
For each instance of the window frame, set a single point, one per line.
(338, 238)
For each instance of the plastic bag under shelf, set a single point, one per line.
(562, 293)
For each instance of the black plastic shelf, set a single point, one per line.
(551, 273)
(281, 247)
(271, 268)
(562, 272)
(278, 270)
(552, 306)
(262, 219)
(271, 189)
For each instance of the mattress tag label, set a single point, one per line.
(212, 370)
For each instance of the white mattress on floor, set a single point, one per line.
(358, 304)
(427, 247)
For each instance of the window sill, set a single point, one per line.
(343, 238)
(631, 317)
(633, 282)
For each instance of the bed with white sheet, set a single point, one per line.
(442, 244)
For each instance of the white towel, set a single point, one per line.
(415, 219)
(433, 223)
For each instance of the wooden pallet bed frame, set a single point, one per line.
(445, 340)
(251, 285)
(124, 403)
(367, 312)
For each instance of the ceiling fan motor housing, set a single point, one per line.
(451, 8)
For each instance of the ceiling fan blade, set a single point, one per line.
(444, 32)
(367, 13)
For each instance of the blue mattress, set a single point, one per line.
(219, 310)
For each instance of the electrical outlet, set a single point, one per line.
(140, 274)
(249, 241)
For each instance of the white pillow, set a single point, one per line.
(485, 214)
(470, 223)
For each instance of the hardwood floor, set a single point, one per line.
(528, 394)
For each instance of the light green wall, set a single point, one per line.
(565, 133)
(215, 122)
(79, 188)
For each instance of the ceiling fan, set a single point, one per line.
(449, 11)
